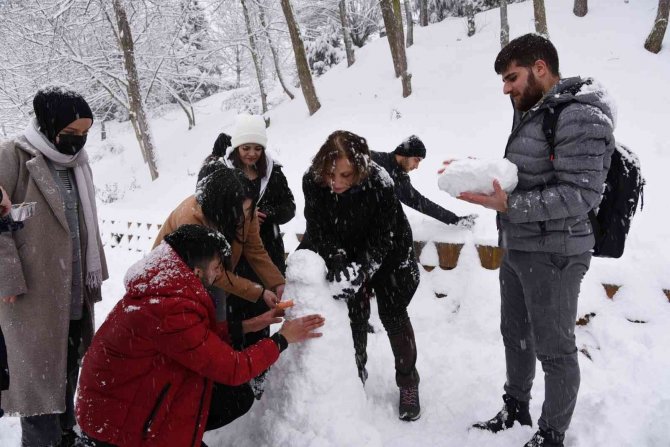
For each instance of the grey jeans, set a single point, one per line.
(539, 293)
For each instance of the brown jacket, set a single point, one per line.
(36, 267)
(251, 246)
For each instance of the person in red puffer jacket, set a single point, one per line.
(148, 376)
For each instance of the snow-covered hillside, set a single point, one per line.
(458, 109)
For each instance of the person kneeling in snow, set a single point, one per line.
(356, 224)
(404, 159)
(154, 373)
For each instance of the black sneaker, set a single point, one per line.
(512, 411)
(546, 438)
(409, 408)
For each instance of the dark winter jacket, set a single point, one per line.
(548, 210)
(147, 377)
(406, 192)
(366, 222)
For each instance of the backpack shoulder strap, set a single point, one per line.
(549, 122)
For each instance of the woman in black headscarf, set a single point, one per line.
(53, 269)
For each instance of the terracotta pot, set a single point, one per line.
(428, 268)
(611, 290)
(448, 254)
(490, 256)
(299, 236)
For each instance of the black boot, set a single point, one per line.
(512, 410)
(546, 438)
(409, 408)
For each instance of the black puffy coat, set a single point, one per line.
(406, 192)
(366, 222)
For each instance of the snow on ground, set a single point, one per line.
(458, 110)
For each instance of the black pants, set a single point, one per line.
(394, 288)
(4, 369)
(46, 429)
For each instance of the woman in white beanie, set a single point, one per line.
(275, 206)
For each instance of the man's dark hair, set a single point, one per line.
(197, 245)
(525, 50)
(221, 195)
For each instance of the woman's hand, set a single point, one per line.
(9, 299)
(270, 298)
(301, 329)
(255, 324)
(280, 291)
(261, 216)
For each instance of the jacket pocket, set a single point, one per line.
(154, 410)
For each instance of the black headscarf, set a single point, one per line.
(56, 107)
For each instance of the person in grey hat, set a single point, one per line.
(404, 159)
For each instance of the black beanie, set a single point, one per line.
(411, 147)
(56, 107)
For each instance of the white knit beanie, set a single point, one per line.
(249, 129)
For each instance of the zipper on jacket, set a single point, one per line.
(159, 400)
(197, 418)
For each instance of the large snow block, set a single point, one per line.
(475, 175)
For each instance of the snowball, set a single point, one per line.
(475, 175)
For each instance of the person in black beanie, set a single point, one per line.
(405, 158)
(53, 269)
(214, 160)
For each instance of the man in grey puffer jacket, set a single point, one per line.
(545, 230)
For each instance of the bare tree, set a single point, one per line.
(305, 76)
(397, 45)
(255, 56)
(273, 50)
(137, 114)
(540, 18)
(410, 23)
(581, 8)
(655, 39)
(423, 12)
(504, 24)
(470, 15)
(346, 33)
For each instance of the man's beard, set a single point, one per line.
(530, 95)
(404, 165)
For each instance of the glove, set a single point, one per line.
(338, 269)
(468, 221)
(355, 278)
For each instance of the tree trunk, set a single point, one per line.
(103, 131)
(346, 34)
(655, 39)
(137, 114)
(305, 76)
(410, 23)
(540, 18)
(275, 58)
(470, 14)
(423, 12)
(504, 24)
(397, 12)
(396, 43)
(254, 56)
(581, 8)
(238, 66)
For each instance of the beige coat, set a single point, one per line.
(36, 266)
(189, 212)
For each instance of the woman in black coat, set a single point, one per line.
(245, 150)
(356, 224)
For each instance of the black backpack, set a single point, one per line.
(624, 187)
